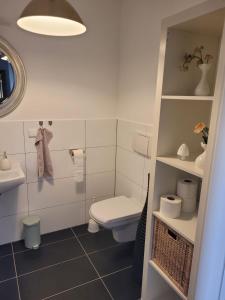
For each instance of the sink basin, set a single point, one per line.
(11, 178)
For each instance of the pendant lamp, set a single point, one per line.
(51, 17)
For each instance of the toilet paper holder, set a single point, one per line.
(71, 151)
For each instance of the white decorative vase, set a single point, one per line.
(203, 88)
(200, 160)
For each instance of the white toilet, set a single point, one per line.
(120, 214)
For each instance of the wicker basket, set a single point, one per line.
(173, 254)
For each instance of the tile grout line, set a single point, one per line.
(11, 278)
(115, 272)
(44, 245)
(92, 265)
(70, 289)
(88, 282)
(17, 281)
(6, 255)
(50, 266)
(96, 251)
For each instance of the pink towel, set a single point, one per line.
(44, 163)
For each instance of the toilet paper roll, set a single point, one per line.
(187, 189)
(170, 206)
(78, 161)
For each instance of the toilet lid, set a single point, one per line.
(115, 209)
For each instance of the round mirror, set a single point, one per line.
(12, 78)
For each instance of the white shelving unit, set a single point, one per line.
(185, 225)
(176, 114)
(188, 98)
(170, 283)
(186, 166)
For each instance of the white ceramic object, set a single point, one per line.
(200, 160)
(170, 206)
(183, 152)
(203, 88)
(5, 163)
(11, 178)
(93, 227)
(120, 214)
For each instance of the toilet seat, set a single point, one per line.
(116, 210)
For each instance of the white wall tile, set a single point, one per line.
(126, 132)
(67, 134)
(125, 187)
(11, 137)
(100, 159)
(131, 165)
(14, 201)
(100, 184)
(62, 162)
(60, 217)
(11, 228)
(100, 133)
(45, 194)
(20, 158)
(90, 202)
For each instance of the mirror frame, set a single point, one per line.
(20, 79)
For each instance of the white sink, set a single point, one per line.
(11, 178)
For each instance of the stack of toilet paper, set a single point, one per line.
(185, 201)
(187, 189)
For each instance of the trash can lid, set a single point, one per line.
(31, 220)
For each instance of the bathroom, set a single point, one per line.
(94, 98)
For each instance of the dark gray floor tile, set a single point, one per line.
(32, 260)
(53, 280)
(46, 239)
(9, 290)
(89, 291)
(123, 286)
(81, 230)
(5, 249)
(97, 241)
(7, 269)
(113, 259)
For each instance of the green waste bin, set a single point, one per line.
(32, 236)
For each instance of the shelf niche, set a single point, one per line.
(184, 38)
(178, 119)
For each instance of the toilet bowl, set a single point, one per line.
(120, 214)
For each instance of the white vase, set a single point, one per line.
(203, 88)
(200, 160)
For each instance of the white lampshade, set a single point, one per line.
(51, 17)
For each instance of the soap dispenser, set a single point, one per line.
(5, 163)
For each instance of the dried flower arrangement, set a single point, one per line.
(196, 55)
(203, 129)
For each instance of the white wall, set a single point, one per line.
(60, 202)
(139, 47)
(73, 77)
(131, 168)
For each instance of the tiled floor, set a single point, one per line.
(71, 264)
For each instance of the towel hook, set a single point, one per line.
(41, 123)
(50, 123)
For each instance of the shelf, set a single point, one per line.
(166, 278)
(186, 166)
(185, 225)
(188, 98)
(167, 297)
